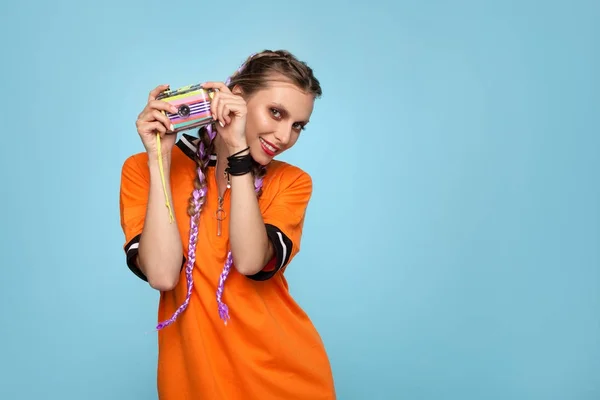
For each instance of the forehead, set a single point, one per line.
(298, 103)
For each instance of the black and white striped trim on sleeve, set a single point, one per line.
(131, 252)
(188, 145)
(283, 249)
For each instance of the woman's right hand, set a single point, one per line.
(152, 120)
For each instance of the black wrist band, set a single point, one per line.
(239, 165)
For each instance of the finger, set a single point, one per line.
(162, 118)
(147, 115)
(216, 85)
(153, 128)
(235, 105)
(224, 113)
(214, 106)
(162, 106)
(156, 91)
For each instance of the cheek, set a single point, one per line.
(257, 123)
(264, 122)
(294, 139)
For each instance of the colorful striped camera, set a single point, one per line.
(193, 107)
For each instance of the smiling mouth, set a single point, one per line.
(268, 148)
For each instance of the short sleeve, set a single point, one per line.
(135, 184)
(284, 219)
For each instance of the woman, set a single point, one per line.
(229, 327)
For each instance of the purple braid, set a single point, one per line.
(222, 307)
(198, 198)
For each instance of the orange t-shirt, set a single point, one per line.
(269, 349)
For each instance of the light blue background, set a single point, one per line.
(452, 244)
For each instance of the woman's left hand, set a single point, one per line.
(229, 112)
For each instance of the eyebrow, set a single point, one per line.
(284, 111)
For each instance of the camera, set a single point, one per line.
(193, 107)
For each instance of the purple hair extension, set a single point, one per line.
(222, 307)
(198, 201)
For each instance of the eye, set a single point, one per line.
(299, 127)
(276, 113)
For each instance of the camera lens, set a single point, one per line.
(184, 110)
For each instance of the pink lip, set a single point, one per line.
(269, 152)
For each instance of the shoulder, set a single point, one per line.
(135, 161)
(284, 177)
(287, 174)
(135, 166)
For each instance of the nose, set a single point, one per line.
(283, 135)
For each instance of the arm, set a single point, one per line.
(153, 245)
(250, 245)
(160, 251)
(270, 239)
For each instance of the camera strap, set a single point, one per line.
(162, 178)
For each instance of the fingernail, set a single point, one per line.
(172, 128)
(222, 126)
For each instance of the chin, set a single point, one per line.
(260, 157)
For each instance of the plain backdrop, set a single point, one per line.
(451, 248)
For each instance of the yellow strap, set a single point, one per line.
(162, 177)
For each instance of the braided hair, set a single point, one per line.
(251, 77)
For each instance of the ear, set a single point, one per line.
(237, 90)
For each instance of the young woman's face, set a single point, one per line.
(276, 116)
